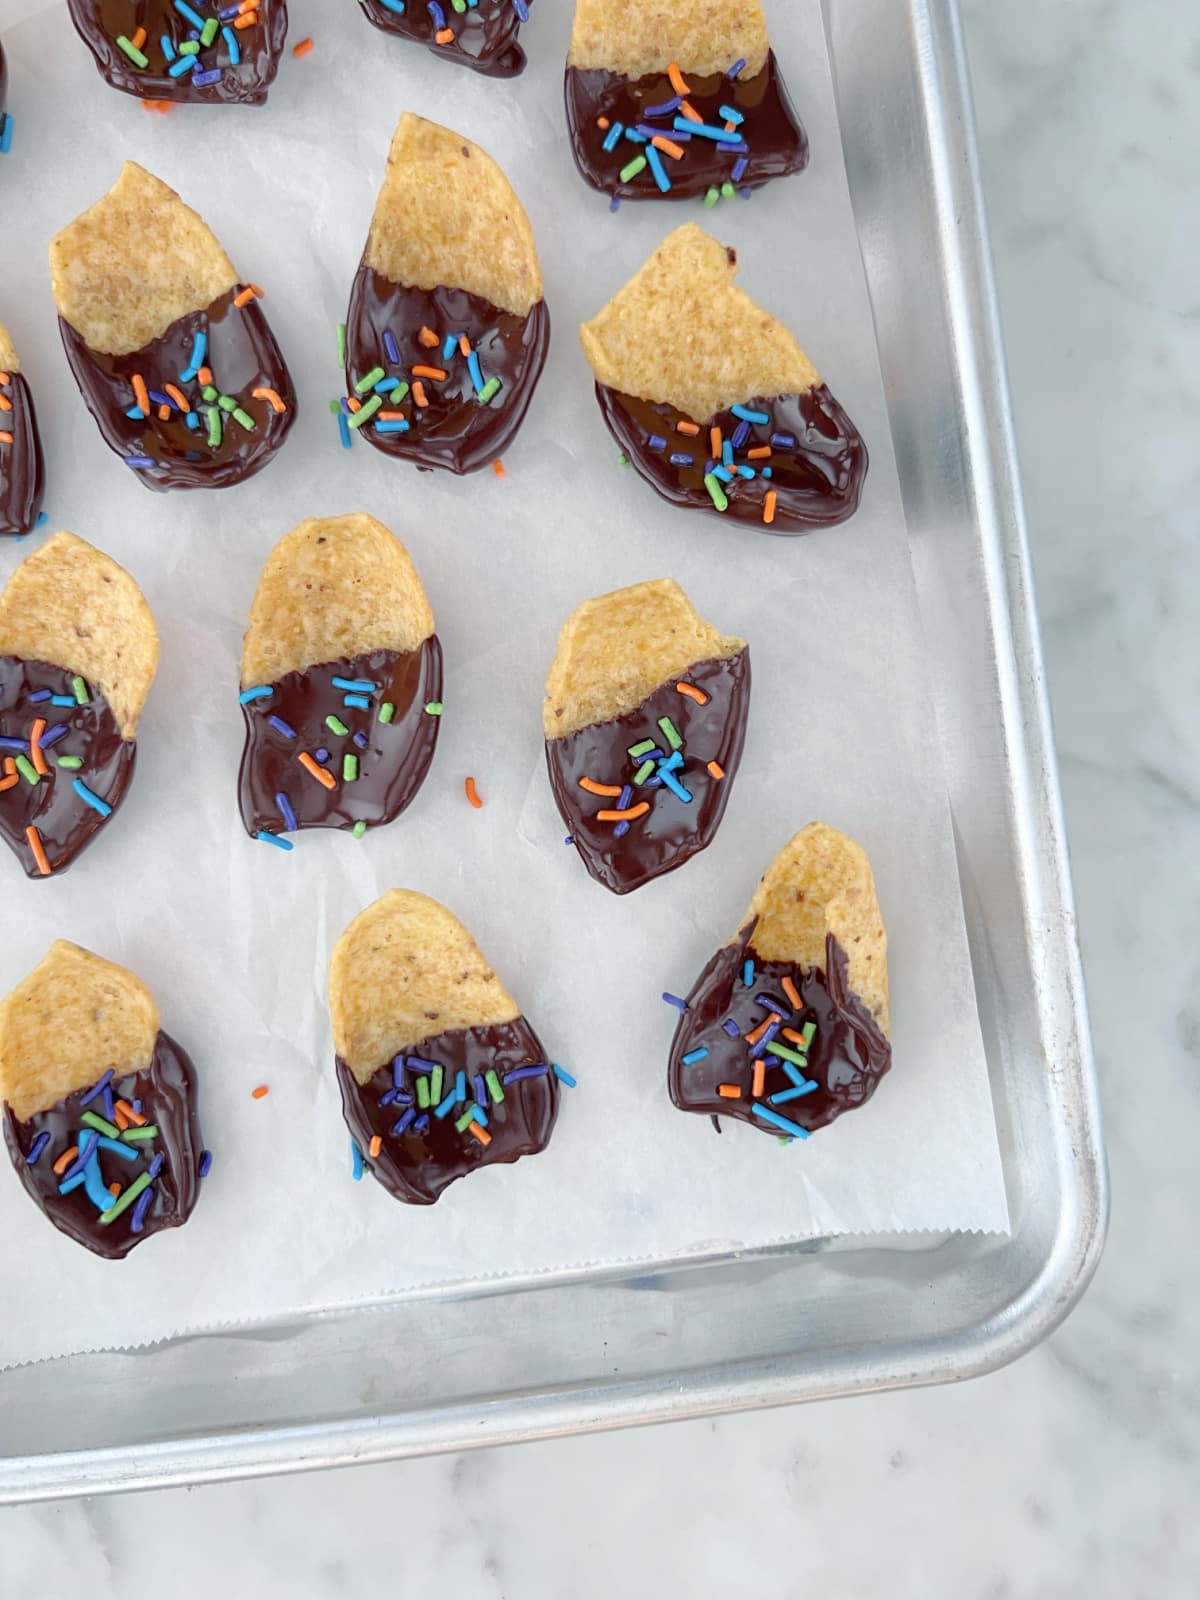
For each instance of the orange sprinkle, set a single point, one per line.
(481, 1134)
(35, 750)
(121, 1120)
(716, 770)
(762, 453)
(34, 839)
(668, 147)
(135, 1117)
(65, 1160)
(445, 36)
(164, 413)
(731, 127)
(138, 39)
(498, 468)
(5, 377)
(714, 439)
(624, 816)
(684, 426)
(114, 1189)
(302, 48)
(375, 1146)
(418, 394)
(473, 794)
(5, 405)
(260, 1092)
(753, 1038)
(759, 1082)
(678, 81)
(156, 105)
(729, 1091)
(320, 773)
(9, 782)
(428, 338)
(205, 375)
(390, 416)
(6, 438)
(435, 373)
(464, 345)
(603, 124)
(690, 112)
(608, 790)
(247, 294)
(355, 405)
(268, 395)
(177, 395)
(690, 689)
(248, 7)
(139, 392)
(790, 990)
(248, 19)
(769, 507)
(796, 1038)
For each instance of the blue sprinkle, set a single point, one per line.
(184, 64)
(657, 442)
(740, 434)
(70, 1183)
(136, 414)
(280, 726)
(731, 115)
(767, 472)
(731, 1028)
(768, 1003)
(723, 473)
(522, 10)
(398, 425)
(109, 1107)
(794, 1128)
(235, 54)
(391, 347)
(389, 1098)
(87, 1148)
(357, 1164)
(6, 130)
(358, 701)
(613, 135)
(736, 68)
(635, 137)
(419, 1064)
(199, 349)
(97, 1089)
(9, 742)
(206, 1160)
(188, 14)
(393, 5)
(62, 700)
(695, 1055)
(784, 441)
(664, 108)
(747, 415)
(563, 1075)
(460, 1087)
(89, 798)
(739, 168)
(681, 460)
(658, 170)
(192, 420)
(701, 130)
(748, 973)
(797, 1093)
(727, 453)
(481, 1116)
(36, 1148)
(447, 1105)
(344, 430)
(273, 838)
(746, 472)
(361, 740)
(674, 1000)
(156, 1165)
(286, 812)
(259, 692)
(125, 1151)
(406, 1122)
(519, 1074)
(475, 370)
(480, 1087)
(161, 399)
(387, 385)
(139, 461)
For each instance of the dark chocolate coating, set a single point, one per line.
(22, 469)
(417, 1166)
(847, 1057)
(773, 142)
(454, 431)
(99, 23)
(818, 481)
(485, 38)
(673, 830)
(242, 355)
(391, 768)
(167, 1092)
(66, 823)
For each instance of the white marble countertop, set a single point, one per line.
(1074, 1472)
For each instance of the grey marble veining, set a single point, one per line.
(1074, 1473)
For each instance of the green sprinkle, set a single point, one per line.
(227, 402)
(80, 690)
(784, 1054)
(711, 198)
(133, 1135)
(465, 1121)
(423, 1093)
(125, 1199)
(349, 768)
(434, 708)
(132, 51)
(493, 1085)
(643, 749)
(27, 770)
(387, 711)
(489, 391)
(716, 493)
(335, 406)
(809, 1033)
(209, 32)
(359, 829)
(336, 725)
(672, 733)
(189, 48)
(215, 427)
(459, 5)
(398, 394)
(643, 772)
(638, 164)
(244, 419)
(435, 1088)
(209, 393)
(727, 190)
(370, 380)
(366, 412)
(341, 344)
(71, 763)
(101, 1126)
(622, 459)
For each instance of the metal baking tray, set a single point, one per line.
(578, 1351)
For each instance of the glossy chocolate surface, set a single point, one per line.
(65, 822)
(239, 350)
(389, 759)
(768, 143)
(838, 1071)
(422, 1153)
(484, 38)
(22, 469)
(623, 855)
(164, 1098)
(216, 79)
(816, 465)
(453, 430)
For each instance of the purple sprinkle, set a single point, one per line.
(664, 108)
(422, 1065)
(674, 1000)
(406, 1122)
(322, 754)
(757, 1049)
(568, 840)
(621, 829)
(626, 797)
(345, 404)
(360, 740)
(9, 743)
(481, 1094)
(36, 1148)
(731, 1028)
(647, 132)
(162, 399)
(614, 204)
(110, 1110)
(679, 460)
(657, 442)
(205, 78)
(421, 1125)
(205, 1163)
(51, 735)
(138, 1221)
(769, 1004)
(391, 347)
(398, 1072)
(739, 168)
(40, 694)
(97, 1089)
(742, 149)
(156, 1165)
(389, 1098)
(708, 467)
(282, 727)
(86, 1151)
(286, 812)
(436, 12)
(229, 11)
(747, 193)
(736, 68)
(137, 1106)
(784, 441)
(139, 461)
(522, 10)
(519, 1073)
(740, 434)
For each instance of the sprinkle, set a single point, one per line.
(139, 461)
(260, 1092)
(607, 790)
(234, 48)
(473, 794)
(681, 460)
(101, 1125)
(391, 424)
(34, 840)
(674, 1000)
(341, 344)
(716, 493)
(366, 411)
(135, 1135)
(344, 430)
(737, 68)
(489, 391)
(433, 708)
(132, 51)
(748, 973)
(629, 815)
(479, 1133)
(758, 1083)
(206, 1161)
(475, 370)
(280, 726)
(801, 1089)
(404, 1123)
(63, 700)
(793, 1128)
(493, 1083)
(729, 1091)
(678, 81)
(387, 711)
(265, 837)
(747, 415)
(757, 1035)
(731, 1028)
(628, 173)
(437, 1078)
(184, 64)
(643, 772)
(359, 829)
(429, 339)
(657, 442)
(270, 396)
(65, 1160)
(716, 770)
(128, 1196)
(694, 1056)
(369, 380)
(326, 779)
(613, 136)
(668, 148)
(97, 1089)
(669, 728)
(418, 394)
(336, 725)
(793, 994)
(643, 749)
(89, 798)
(498, 468)
(769, 507)
(302, 48)
(132, 1112)
(349, 767)
(436, 374)
(784, 1054)
(564, 1076)
(658, 171)
(35, 1149)
(447, 1105)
